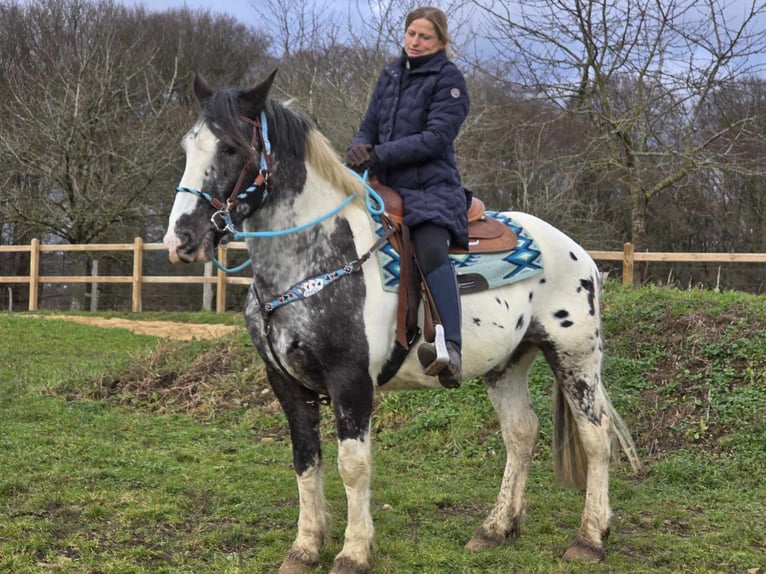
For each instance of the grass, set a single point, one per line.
(121, 453)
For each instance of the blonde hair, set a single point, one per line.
(434, 15)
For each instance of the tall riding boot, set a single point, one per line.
(442, 357)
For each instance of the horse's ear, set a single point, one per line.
(201, 89)
(254, 100)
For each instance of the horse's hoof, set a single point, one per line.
(347, 566)
(298, 561)
(584, 551)
(483, 540)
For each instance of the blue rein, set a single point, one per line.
(373, 201)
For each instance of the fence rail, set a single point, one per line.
(628, 257)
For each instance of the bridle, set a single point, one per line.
(262, 183)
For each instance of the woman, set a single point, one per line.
(406, 139)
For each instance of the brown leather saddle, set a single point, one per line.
(485, 234)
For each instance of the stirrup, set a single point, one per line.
(442, 354)
(449, 372)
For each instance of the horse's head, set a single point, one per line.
(224, 171)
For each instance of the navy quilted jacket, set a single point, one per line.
(412, 120)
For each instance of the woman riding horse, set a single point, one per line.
(406, 140)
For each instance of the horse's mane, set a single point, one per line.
(319, 152)
(291, 132)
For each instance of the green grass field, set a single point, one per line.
(123, 453)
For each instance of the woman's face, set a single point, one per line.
(421, 39)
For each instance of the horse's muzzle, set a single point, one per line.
(185, 248)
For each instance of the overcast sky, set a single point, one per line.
(242, 9)
(245, 10)
(255, 13)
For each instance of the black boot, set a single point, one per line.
(449, 370)
(442, 357)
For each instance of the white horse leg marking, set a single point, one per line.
(596, 443)
(313, 530)
(355, 466)
(509, 394)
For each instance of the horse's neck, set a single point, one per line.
(321, 247)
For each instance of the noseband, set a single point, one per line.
(221, 219)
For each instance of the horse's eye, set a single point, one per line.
(229, 150)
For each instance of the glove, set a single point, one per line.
(361, 158)
(358, 154)
(372, 160)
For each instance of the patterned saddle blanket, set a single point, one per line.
(475, 271)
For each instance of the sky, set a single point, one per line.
(246, 11)
(241, 9)
(255, 13)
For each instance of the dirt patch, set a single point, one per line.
(177, 376)
(225, 377)
(166, 329)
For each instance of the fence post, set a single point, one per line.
(207, 288)
(94, 286)
(34, 273)
(220, 294)
(138, 271)
(627, 264)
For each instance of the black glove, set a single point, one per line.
(358, 154)
(361, 158)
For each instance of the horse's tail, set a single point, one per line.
(569, 460)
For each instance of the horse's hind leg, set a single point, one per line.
(302, 409)
(582, 446)
(509, 394)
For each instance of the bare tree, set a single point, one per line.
(641, 72)
(94, 98)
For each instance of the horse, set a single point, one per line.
(324, 325)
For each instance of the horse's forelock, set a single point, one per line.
(223, 117)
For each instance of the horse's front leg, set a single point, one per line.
(353, 408)
(302, 409)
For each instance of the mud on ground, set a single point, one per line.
(166, 329)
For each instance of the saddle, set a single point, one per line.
(485, 235)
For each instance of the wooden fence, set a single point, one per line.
(222, 280)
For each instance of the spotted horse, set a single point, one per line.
(324, 324)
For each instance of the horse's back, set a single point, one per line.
(554, 243)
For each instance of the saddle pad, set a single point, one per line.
(488, 269)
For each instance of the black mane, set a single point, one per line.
(287, 130)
